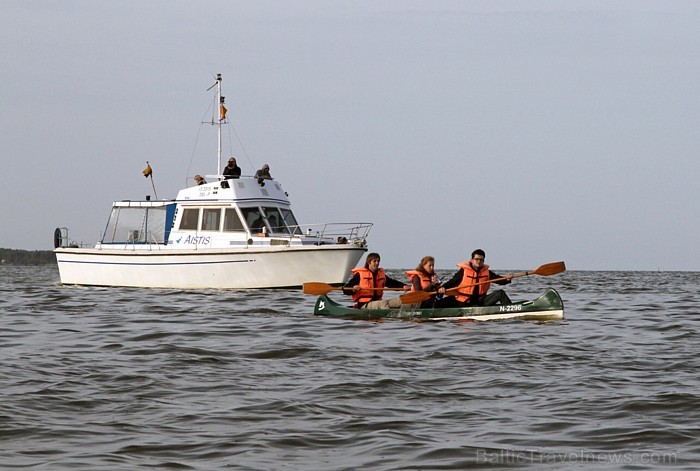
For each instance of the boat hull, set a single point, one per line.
(547, 307)
(269, 267)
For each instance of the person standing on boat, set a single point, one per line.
(473, 282)
(366, 286)
(263, 174)
(423, 278)
(232, 170)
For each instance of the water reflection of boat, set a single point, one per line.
(232, 233)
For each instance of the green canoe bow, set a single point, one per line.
(549, 306)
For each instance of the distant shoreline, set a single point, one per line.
(27, 257)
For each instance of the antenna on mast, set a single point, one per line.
(222, 119)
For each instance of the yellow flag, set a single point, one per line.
(222, 112)
(148, 171)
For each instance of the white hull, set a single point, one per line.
(268, 267)
(526, 316)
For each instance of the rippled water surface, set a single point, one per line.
(94, 378)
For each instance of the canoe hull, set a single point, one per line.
(547, 307)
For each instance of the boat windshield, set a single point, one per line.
(275, 221)
(290, 221)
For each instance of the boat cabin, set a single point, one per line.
(223, 214)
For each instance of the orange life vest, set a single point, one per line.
(364, 295)
(425, 280)
(470, 277)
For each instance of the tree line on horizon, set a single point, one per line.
(27, 257)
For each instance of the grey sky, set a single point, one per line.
(536, 130)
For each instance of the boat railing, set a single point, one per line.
(214, 178)
(137, 240)
(334, 233)
(61, 240)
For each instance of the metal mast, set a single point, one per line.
(222, 119)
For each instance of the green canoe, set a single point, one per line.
(549, 306)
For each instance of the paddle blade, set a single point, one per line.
(549, 269)
(317, 288)
(415, 297)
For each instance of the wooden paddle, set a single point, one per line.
(317, 288)
(545, 270)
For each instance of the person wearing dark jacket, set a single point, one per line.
(473, 280)
(263, 174)
(232, 170)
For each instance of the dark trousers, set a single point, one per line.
(495, 297)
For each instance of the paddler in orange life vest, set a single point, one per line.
(423, 278)
(366, 285)
(469, 274)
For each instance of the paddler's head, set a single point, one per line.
(478, 257)
(372, 261)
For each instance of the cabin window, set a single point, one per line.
(232, 223)
(136, 225)
(253, 219)
(211, 219)
(190, 216)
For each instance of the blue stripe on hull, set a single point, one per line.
(160, 264)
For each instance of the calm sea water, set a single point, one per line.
(114, 379)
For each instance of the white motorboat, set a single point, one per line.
(236, 233)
